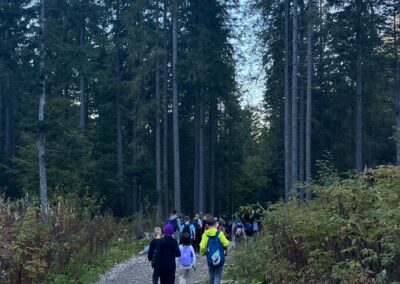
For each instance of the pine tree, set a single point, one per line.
(42, 102)
(309, 95)
(175, 108)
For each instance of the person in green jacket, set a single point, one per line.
(215, 273)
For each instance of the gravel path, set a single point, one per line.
(138, 271)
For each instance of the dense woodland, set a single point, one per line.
(137, 102)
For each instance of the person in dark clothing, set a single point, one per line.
(198, 224)
(164, 258)
(154, 246)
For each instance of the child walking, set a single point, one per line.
(187, 260)
(212, 245)
(166, 253)
(152, 250)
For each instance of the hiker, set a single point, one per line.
(176, 224)
(188, 227)
(238, 231)
(256, 227)
(248, 228)
(164, 257)
(197, 223)
(152, 250)
(212, 245)
(187, 260)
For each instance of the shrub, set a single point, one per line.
(349, 233)
(31, 251)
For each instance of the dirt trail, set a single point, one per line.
(138, 271)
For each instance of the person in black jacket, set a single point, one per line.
(164, 258)
(154, 245)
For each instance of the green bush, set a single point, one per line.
(349, 233)
(64, 247)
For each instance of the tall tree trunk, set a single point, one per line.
(196, 154)
(82, 106)
(165, 129)
(294, 145)
(40, 142)
(8, 121)
(8, 128)
(165, 114)
(288, 166)
(359, 96)
(175, 108)
(301, 126)
(397, 81)
(158, 128)
(214, 130)
(1, 114)
(134, 166)
(118, 101)
(201, 154)
(310, 31)
(301, 143)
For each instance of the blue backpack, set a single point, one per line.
(215, 251)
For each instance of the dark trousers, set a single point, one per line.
(196, 242)
(167, 276)
(156, 276)
(215, 274)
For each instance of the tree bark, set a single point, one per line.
(196, 154)
(118, 101)
(165, 114)
(359, 95)
(310, 31)
(201, 154)
(9, 113)
(134, 165)
(214, 131)
(7, 130)
(294, 134)
(158, 128)
(397, 82)
(288, 166)
(1, 114)
(82, 99)
(175, 108)
(40, 142)
(301, 143)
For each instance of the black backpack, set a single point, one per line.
(174, 223)
(196, 224)
(186, 229)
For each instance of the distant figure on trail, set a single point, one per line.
(176, 224)
(188, 228)
(256, 227)
(213, 244)
(153, 248)
(164, 257)
(187, 260)
(238, 231)
(197, 223)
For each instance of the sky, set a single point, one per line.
(250, 74)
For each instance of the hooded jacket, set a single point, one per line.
(211, 233)
(168, 250)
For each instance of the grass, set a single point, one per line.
(85, 269)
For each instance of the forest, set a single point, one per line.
(138, 107)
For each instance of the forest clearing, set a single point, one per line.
(142, 139)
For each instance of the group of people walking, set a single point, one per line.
(179, 242)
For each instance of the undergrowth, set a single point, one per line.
(75, 245)
(349, 233)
